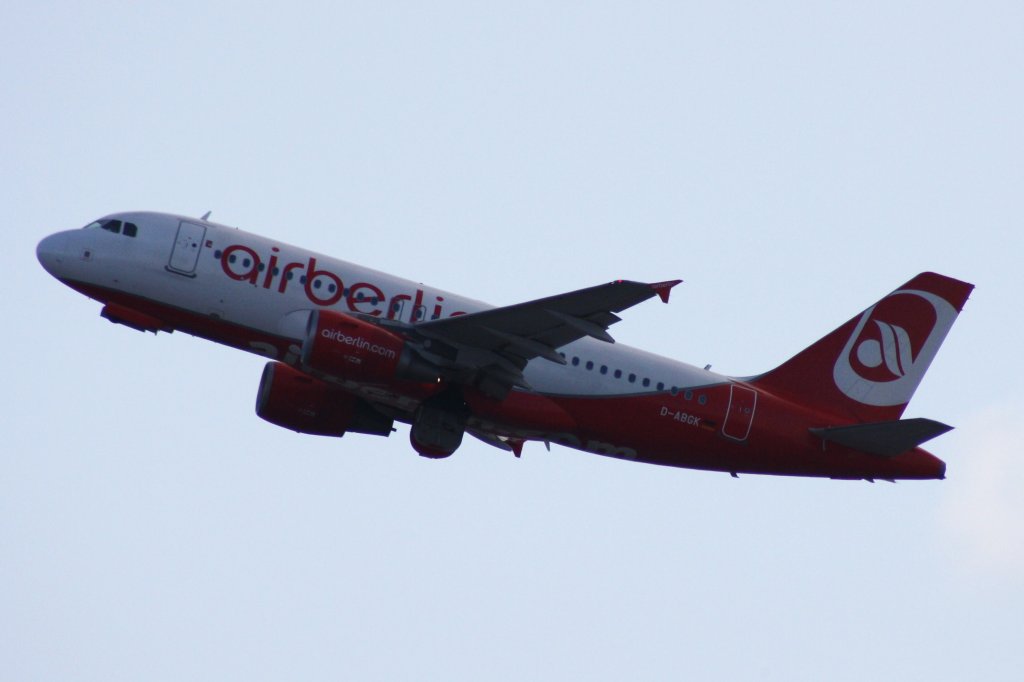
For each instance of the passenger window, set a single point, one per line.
(647, 382)
(130, 229)
(590, 364)
(604, 369)
(661, 385)
(575, 362)
(632, 378)
(618, 374)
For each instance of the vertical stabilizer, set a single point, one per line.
(868, 369)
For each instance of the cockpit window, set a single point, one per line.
(111, 225)
(108, 224)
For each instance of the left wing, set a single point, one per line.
(490, 348)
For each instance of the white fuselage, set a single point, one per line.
(261, 284)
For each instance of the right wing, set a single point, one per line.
(491, 348)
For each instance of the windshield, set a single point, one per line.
(115, 226)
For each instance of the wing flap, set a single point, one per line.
(526, 346)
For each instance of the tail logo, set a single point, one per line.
(892, 346)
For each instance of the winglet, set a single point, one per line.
(663, 289)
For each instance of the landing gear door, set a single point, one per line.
(187, 245)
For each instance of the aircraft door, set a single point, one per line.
(187, 245)
(740, 415)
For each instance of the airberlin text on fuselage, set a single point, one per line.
(242, 264)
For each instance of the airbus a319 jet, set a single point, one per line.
(354, 350)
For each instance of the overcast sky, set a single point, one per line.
(792, 162)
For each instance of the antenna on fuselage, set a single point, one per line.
(206, 216)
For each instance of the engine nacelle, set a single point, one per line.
(297, 401)
(346, 347)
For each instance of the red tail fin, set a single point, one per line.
(868, 369)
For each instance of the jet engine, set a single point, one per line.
(348, 348)
(297, 401)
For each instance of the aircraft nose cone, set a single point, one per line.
(50, 253)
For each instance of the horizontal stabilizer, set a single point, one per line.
(886, 439)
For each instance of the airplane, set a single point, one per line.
(354, 350)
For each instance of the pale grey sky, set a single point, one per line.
(791, 161)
